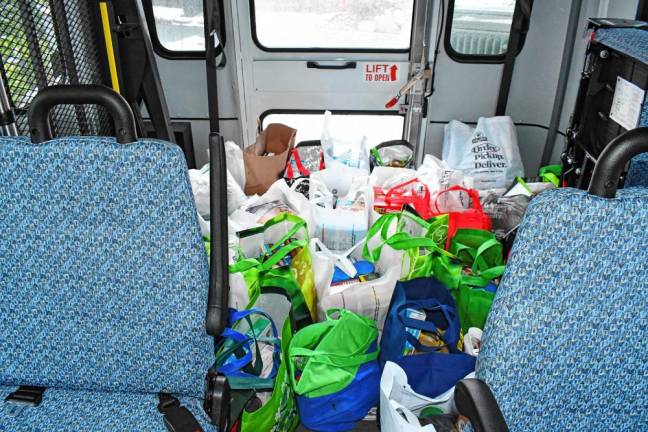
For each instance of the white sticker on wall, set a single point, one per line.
(380, 72)
(627, 103)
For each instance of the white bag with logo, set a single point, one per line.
(400, 404)
(488, 153)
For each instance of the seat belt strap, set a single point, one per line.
(177, 418)
(26, 395)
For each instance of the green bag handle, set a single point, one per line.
(267, 264)
(486, 241)
(400, 240)
(333, 359)
(403, 241)
(299, 224)
(280, 254)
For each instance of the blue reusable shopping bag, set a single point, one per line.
(341, 411)
(431, 372)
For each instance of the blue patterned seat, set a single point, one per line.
(104, 284)
(638, 172)
(564, 346)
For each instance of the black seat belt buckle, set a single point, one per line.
(177, 418)
(26, 395)
(217, 400)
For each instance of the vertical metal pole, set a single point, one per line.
(31, 34)
(419, 54)
(7, 117)
(563, 80)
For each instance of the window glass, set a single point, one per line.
(377, 128)
(481, 27)
(179, 24)
(333, 24)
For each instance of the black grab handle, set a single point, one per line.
(49, 97)
(341, 66)
(613, 160)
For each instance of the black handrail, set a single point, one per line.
(613, 160)
(48, 98)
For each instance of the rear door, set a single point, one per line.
(296, 58)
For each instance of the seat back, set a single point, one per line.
(103, 270)
(564, 344)
(638, 172)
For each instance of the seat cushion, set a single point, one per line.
(564, 343)
(104, 275)
(74, 411)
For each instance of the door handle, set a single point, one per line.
(338, 66)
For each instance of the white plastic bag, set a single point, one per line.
(370, 298)
(257, 209)
(234, 161)
(348, 150)
(341, 203)
(388, 177)
(400, 404)
(325, 261)
(199, 180)
(489, 152)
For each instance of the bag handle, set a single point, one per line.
(393, 190)
(382, 226)
(298, 224)
(342, 260)
(280, 254)
(432, 305)
(235, 367)
(473, 194)
(332, 359)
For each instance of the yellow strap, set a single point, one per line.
(112, 64)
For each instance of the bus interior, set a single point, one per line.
(323, 215)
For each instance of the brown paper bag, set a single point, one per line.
(261, 171)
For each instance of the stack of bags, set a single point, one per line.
(347, 265)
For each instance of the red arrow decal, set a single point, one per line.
(393, 70)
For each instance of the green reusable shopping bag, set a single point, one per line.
(481, 251)
(329, 353)
(414, 242)
(286, 264)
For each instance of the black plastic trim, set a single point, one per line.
(46, 99)
(168, 54)
(217, 299)
(475, 400)
(262, 47)
(613, 160)
(472, 58)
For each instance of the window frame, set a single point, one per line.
(262, 47)
(474, 58)
(393, 113)
(169, 54)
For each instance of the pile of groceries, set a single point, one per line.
(358, 279)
